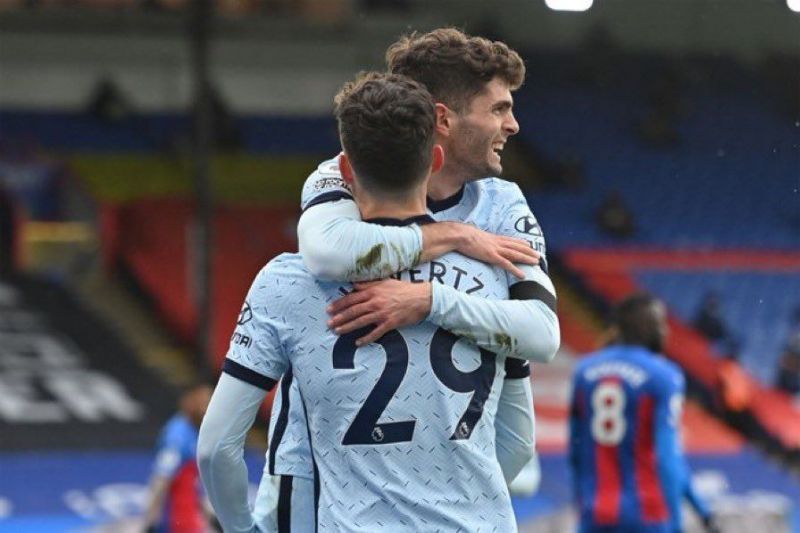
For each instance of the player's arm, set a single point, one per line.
(669, 443)
(254, 363)
(220, 450)
(167, 462)
(695, 500)
(514, 423)
(157, 495)
(336, 244)
(574, 443)
(524, 327)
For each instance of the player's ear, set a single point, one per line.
(437, 161)
(443, 119)
(345, 168)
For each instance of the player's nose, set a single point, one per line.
(510, 125)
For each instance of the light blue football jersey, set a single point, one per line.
(491, 204)
(401, 431)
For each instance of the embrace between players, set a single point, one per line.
(419, 423)
(405, 404)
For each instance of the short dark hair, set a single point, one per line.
(454, 66)
(638, 322)
(386, 126)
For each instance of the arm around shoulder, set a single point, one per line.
(337, 245)
(523, 329)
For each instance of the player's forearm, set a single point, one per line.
(337, 245)
(220, 451)
(524, 329)
(514, 427)
(691, 495)
(439, 239)
(157, 495)
(572, 452)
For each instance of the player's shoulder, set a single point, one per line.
(285, 268)
(610, 355)
(328, 169)
(589, 360)
(323, 183)
(498, 188)
(668, 369)
(177, 429)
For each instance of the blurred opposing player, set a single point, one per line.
(629, 470)
(471, 80)
(401, 430)
(176, 502)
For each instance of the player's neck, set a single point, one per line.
(444, 184)
(401, 209)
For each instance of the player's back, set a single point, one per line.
(623, 420)
(402, 430)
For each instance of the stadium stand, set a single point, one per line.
(755, 303)
(732, 154)
(691, 194)
(66, 379)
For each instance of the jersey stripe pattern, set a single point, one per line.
(625, 453)
(176, 460)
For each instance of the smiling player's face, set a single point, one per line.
(478, 134)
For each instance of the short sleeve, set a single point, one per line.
(256, 352)
(169, 456)
(325, 184)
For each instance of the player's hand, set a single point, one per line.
(711, 525)
(497, 250)
(389, 304)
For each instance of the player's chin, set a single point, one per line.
(494, 164)
(494, 169)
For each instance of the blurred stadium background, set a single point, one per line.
(151, 158)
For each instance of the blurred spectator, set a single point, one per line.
(710, 322)
(788, 377)
(734, 388)
(107, 103)
(225, 130)
(176, 503)
(614, 217)
(657, 129)
(7, 232)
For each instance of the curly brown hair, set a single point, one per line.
(386, 126)
(454, 66)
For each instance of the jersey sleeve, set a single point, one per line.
(337, 245)
(515, 426)
(517, 220)
(675, 389)
(516, 328)
(325, 184)
(574, 441)
(169, 455)
(256, 354)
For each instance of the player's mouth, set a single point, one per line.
(497, 149)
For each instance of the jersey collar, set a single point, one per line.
(440, 205)
(418, 219)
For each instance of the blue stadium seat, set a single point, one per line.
(756, 307)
